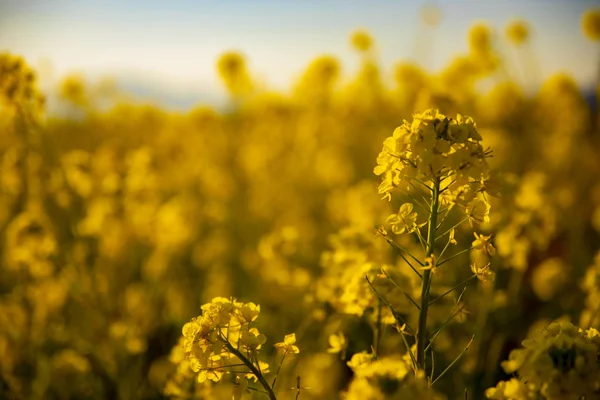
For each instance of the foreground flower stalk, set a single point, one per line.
(221, 341)
(440, 164)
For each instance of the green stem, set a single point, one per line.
(252, 369)
(453, 288)
(426, 284)
(400, 289)
(399, 320)
(400, 251)
(278, 371)
(378, 328)
(454, 362)
(455, 255)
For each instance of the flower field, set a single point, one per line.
(352, 238)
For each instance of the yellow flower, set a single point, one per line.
(288, 345)
(480, 38)
(451, 238)
(338, 343)
(590, 24)
(484, 274)
(362, 41)
(483, 243)
(478, 211)
(253, 338)
(233, 71)
(430, 264)
(517, 32)
(404, 221)
(513, 389)
(250, 312)
(360, 360)
(561, 359)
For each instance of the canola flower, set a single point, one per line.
(517, 32)
(221, 342)
(590, 24)
(444, 157)
(387, 378)
(561, 363)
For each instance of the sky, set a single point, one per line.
(167, 49)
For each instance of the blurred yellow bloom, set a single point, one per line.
(233, 71)
(478, 211)
(590, 24)
(483, 243)
(337, 343)
(517, 32)
(480, 38)
(250, 312)
(288, 345)
(484, 273)
(404, 221)
(360, 360)
(362, 41)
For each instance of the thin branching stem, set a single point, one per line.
(298, 387)
(432, 366)
(401, 251)
(421, 239)
(252, 368)
(278, 370)
(411, 197)
(447, 210)
(378, 327)
(422, 197)
(454, 362)
(455, 255)
(446, 322)
(445, 247)
(424, 184)
(450, 229)
(399, 320)
(451, 290)
(395, 313)
(400, 289)
(447, 186)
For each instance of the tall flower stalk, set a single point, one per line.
(444, 157)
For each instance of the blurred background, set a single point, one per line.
(157, 154)
(165, 51)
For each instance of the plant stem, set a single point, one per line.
(278, 370)
(378, 328)
(426, 284)
(252, 369)
(453, 288)
(454, 362)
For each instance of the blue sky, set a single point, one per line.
(170, 46)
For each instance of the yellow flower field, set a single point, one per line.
(349, 239)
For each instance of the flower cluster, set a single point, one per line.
(387, 378)
(221, 341)
(213, 339)
(435, 148)
(590, 316)
(561, 363)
